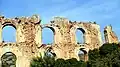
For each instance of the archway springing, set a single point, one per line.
(48, 35)
(8, 60)
(80, 36)
(9, 33)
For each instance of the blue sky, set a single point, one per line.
(104, 12)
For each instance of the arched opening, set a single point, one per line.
(80, 36)
(9, 33)
(48, 35)
(105, 37)
(50, 53)
(8, 60)
(82, 54)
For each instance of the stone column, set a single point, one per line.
(87, 38)
(19, 34)
(38, 35)
(57, 36)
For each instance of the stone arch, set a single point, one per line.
(8, 24)
(19, 55)
(81, 32)
(49, 52)
(82, 29)
(8, 59)
(82, 54)
(53, 31)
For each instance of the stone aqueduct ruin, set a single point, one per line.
(29, 38)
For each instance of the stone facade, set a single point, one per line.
(29, 38)
(26, 46)
(110, 36)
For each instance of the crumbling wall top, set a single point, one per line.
(108, 27)
(33, 19)
(110, 35)
(58, 20)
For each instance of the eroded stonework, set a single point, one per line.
(29, 38)
(110, 36)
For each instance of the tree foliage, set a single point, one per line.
(107, 55)
(51, 62)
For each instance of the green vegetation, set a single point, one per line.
(51, 62)
(107, 55)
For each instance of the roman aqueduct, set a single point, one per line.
(29, 38)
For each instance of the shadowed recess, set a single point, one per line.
(82, 54)
(8, 59)
(9, 34)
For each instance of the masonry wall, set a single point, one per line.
(66, 45)
(110, 36)
(29, 38)
(27, 42)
